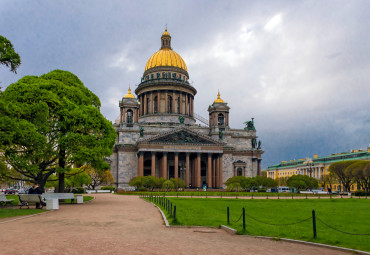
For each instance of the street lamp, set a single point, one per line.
(310, 164)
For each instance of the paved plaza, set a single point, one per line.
(114, 224)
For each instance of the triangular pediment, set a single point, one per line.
(181, 136)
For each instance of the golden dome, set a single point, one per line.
(166, 57)
(219, 100)
(129, 95)
(165, 32)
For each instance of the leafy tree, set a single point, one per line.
(150, 182)
(265, 181)
(281, 181)
(51, 122)
(235, 186)
(345, 176)
(178, 183)
(302, 182)
(168, 185)
(328, 179)
(8, 56)
(97, 177)
(360, 170)
(137, 182)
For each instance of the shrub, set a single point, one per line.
(360, 193)
(78, 190)
(111, 188)
(142, 189)
(261, 190)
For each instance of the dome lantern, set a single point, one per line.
(166, 40)
(129, 95)
(219, 100)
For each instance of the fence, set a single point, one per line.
(313, 217)
(162, 202)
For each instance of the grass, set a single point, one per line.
(220, 194)
(7, 212)
(349, 215)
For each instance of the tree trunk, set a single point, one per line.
(62, 164)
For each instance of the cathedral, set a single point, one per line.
(159, 134)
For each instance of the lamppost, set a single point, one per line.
(310, 164)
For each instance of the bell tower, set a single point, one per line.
(218, 114)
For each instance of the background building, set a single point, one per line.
(317, 167)
(157, 133)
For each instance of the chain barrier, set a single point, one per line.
(272, 224)
(341, 230)
(238, 219)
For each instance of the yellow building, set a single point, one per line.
(316, 167)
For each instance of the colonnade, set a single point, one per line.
(315, 172)
(185, 165)
(166, 101)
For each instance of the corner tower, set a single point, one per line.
(164, 93)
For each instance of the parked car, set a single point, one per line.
(10, 191)
(283, 189)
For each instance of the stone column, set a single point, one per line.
(144, 105)
(180, 103)
(209, 170)
(166, 103)
(153, 164)
(141, 164)
(151, 102)
(220, 171)
(217, 179)
(186, 104)
(191, 106)
(187, 179)
(197, 170)
(176, 165)
(159, 102)
(164, 165)
(258, 167)
(174, 109)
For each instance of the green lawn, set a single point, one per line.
(349, 215)
(14, 211)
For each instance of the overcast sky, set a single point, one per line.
(300, 68)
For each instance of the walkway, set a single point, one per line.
(114, 224)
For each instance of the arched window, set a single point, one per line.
(129, 116)
(221, 119)
(158, 75)
(178, 105)
(155, 104)
(169, 104)
(148, 105)
(240, 171)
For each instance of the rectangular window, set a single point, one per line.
(158, 75)
(152, 76)
(174, 75)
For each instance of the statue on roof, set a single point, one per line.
(220, 134)
(259, 145)
(141, 131)
(181, 119)
(249, 125)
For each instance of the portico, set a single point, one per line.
(182, 154)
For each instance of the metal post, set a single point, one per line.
(171, 208)
(314, 223)
(243, 219)
(228, 216)
(174, 213)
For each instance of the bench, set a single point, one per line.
(26, 199)
(4, 201)
(59, 196)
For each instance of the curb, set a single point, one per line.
(228, 229)
(24, 217)
(233, 232)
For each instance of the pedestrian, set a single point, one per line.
(32, 190)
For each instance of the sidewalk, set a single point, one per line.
(116, 224)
